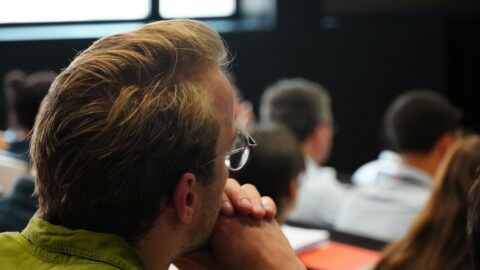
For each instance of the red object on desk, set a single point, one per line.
(337, 256)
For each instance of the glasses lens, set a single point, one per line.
(239, 152)
(237, 159)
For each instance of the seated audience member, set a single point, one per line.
(473, 223)
(131, 149)
(274, 166)
(19, 206)
(438, 238)
(23, 95)
(304, 107)
(422, 125)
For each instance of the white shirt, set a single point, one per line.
(367, 174)
(319, 197)
(386, 210)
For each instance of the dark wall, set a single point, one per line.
(463, 68)
(36, 55)
(364, 62)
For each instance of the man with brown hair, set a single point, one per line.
(473, 223)
(131, 149)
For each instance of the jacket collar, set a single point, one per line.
(107, 248)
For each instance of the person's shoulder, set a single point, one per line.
(10, 243)
(367, 174)
(315, 171)
(9, 236)
(17, 252)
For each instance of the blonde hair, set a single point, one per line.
(437, 240)
(122, 122)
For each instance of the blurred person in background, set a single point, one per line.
(438, 238)
(23, 95)
(473, 223)
(305, 108)
(274, 166)
(422, 125)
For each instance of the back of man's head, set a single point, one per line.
(297, 103)
(417, 119)
(24, 93)
(122, 123)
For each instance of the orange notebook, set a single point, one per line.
(337, 256)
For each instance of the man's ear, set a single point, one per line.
(185, 197)
(312, 143)
(293, 190)
(444, 143)
(314, 137)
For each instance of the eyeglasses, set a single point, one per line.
(239, 152)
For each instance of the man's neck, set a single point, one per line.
(308, 153)
(159, 247)
(424, 162)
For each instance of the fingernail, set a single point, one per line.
(265, 202)
(245, 203)
(227, 205)
(257, 208)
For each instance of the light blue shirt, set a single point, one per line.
(320, 196)
(386, 209)
(367, 174)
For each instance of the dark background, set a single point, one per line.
(364, 56)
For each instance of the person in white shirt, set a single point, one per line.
(304, 107)
(367, 173)
(422, 125)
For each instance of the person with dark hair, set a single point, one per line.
(438, 239)
(274, 166)
(305, 108)
(473, 222)
(421, 125)
(23, 95)
(131, 149)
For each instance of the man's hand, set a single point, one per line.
(245, 236)
(246, 200)
(240, 242)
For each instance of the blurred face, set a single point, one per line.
(211, 193)
(321, 143)
(326, 141)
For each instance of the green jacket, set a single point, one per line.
(42, 245)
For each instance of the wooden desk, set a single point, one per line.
(338, 256)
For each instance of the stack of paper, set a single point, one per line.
(305, 239)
